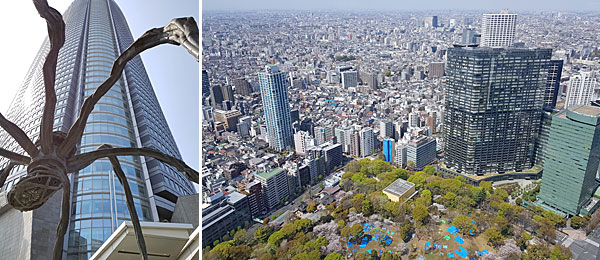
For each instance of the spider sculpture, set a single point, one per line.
(53, 156)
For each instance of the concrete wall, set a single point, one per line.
(28, 235)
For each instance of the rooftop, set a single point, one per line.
(268, 175)
(399, 187)
(587, 110)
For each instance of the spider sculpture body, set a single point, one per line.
(53, 156)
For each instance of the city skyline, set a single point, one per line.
(389, 5)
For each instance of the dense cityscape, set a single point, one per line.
(400, 135)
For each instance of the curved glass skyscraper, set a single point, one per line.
(127, 116)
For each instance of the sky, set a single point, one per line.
(174, 73)
(527, 5)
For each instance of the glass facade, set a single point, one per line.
(273, 88)
(129, 115)
(493, 109)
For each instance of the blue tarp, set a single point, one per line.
(450, 255)
(354, 250)
(427, 244)
(369, 250)
(484, 252)
(388, 241)
(463, 252)
(350, 244)
(452, 229)
(471, 232)
(459, 240)
(374, 239)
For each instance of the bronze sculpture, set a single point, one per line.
(53, 156)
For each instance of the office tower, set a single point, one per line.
(324, 134)
(129, 115)
(421, 151)
(367, 141)
(216, 95)
(273, 89)
(302, 140)
(400, 158)
(470, 37)
(255, 198)
(552, 84)
(436, 70)
(431, 22)
(571, 161)
(580, 89)
(355, 143)
(242, 87)
(498, 30)
(388, 149)
(494, 99)
(205, 84)
(228, 118)
(275, 186)
(414, 119)
(349, 79)
(386, 129)
(227, 92)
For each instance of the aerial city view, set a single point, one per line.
(421, 131)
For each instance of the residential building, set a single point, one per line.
(367, 141)
(242, 87)
(498, 30)
(386, 129)
(301, 141)
(421, 151)
(400, 158)
(256, 200)
(349, 79)
(436, 70)
(224, 215)
(580, 89)
(275, 186)
(273, 89)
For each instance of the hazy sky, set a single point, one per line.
(172, 70)
(587, 5)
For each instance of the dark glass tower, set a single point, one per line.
(552, 84)
(493, 107)
(129, 115)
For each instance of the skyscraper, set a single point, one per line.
(242, 87)
(205, 84)
(129, 115)
(493, 108)
(580, 89)
(273, 89)
(571, 160)
(498, 30)
(552, 84)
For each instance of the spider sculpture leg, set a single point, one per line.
(64, 220)
(19, 136)
(130, 206)
(182, 31)
(56, 34)
(83, 160)
(15, 157)
(5, 172)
